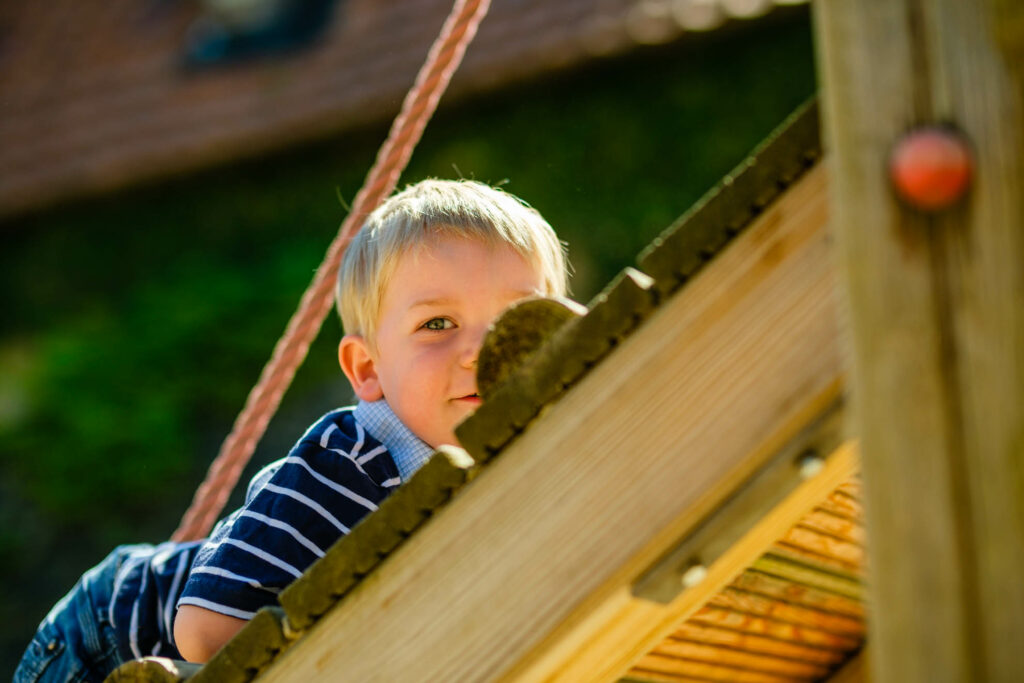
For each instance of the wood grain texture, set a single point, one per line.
(744, 622)
(753, 581)
(784, 564)
(759, 606)
(752, 643)
(669, 667)
(839, 527)
(935, 305)
(515, 575)
(765, 663)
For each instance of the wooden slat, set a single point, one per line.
(711, 654)
(798, 593)
(850, 555)
(794, 568)
(843, 505)
(936, 324)
(813, 558)
(760, 606)
(525, 569)
(853, 488)
(760, 644)
(705, 671)
(844, 529)
(781, 630)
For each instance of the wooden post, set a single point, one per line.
(935, 314)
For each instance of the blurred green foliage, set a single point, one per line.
(135, 323)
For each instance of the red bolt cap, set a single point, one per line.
(930, 168)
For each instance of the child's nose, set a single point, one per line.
(474, 340)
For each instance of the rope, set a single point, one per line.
(419, 104)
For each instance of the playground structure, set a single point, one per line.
(668, 488)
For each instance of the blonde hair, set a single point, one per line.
(433, 209)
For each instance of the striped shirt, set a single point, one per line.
(295, 509)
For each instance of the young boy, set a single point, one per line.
(418, 287)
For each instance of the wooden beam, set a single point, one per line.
(530, 560)
(936, 313)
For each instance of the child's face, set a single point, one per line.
(434, 313)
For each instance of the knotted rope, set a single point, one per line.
(419, 104)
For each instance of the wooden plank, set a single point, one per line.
(936, 313)
(764, 663)
(753, 643)
(785, 565)
(823, 521)
(848, 554)
(516, 575)
(812, 558)
(704, 671)
(843, 505)
(789, 591)
(761, 606)
(781, 630)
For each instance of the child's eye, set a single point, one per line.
(438, 324)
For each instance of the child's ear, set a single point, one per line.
(358, 365)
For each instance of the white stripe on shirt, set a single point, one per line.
(228, 574)
(333, 485)
(366, 457)
(326, 436)
(360, 440)
(260, 553)
(287, 528)
(217, 607)
(179, 573)
(310, 503)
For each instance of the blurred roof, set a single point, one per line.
(97, 95)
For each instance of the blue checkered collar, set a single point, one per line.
(407, 450)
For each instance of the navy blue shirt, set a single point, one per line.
(295, 509)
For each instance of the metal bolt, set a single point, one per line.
(693, 575)
(809, 464)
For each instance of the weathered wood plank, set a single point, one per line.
(534, 557)
(797, 593)
(843, 505)
(844, 529)
(764, 663)
(773, 628)
(936, 312)
(760, 606)
(753, 643)
(672, 666)
(838, 550)
(786, 565)
(814, 559)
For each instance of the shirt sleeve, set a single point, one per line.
(289, 520)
